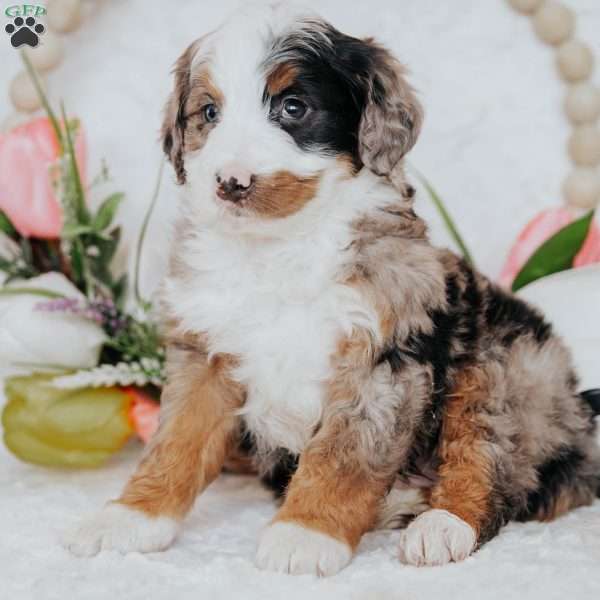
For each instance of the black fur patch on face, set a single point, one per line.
(333, 72)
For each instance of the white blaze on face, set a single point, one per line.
(244, 136)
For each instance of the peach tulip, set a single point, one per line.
(143, 413)
(26, 154)
(537, 231)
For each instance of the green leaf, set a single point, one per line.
(43, 98)
(81, 210)
(78, 267)
(106, 213)
(120, 289)
(555, 254)
(31, 291)
(6, 226)
(26, 251)
(108, 246)
(448, 221)
(72, 230)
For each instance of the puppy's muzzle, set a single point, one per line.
(233, 185)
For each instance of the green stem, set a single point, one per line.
(448, 221)
(14, 291)
(142, 236)
(82, 212)
(43, 98)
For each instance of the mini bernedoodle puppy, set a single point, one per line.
(315, 335)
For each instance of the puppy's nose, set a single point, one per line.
(234, 182)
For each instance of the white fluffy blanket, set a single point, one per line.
(213, 558)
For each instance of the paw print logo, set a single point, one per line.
(24, 32)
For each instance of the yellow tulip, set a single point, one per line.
(64, 428)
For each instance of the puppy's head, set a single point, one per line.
(267, 105)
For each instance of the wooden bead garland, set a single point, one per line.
(554, 24)
(23, 94)
(582, 103)
(526, 6)
(582, 188)
(64, 16)
(575, 61)
(48, 55)
(584, 145)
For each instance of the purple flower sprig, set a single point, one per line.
(100, 310)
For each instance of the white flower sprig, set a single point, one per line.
(148, 371)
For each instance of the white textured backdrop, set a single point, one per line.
(494, 146)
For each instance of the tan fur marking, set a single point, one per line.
(326, 495)
(281, 78)
(203, 91)
(197, 424)
(281, 194)
(465, 483)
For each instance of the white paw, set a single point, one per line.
(117, 527)
(291, 548)
(436, 537)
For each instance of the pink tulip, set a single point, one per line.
(143, 412)
(537, 231)
(26, 154)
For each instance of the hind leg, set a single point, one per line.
(502, 458)
(569, 480)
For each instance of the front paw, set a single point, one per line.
(118, 527)
(291, 548)
(436, 537)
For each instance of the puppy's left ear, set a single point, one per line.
(174, 120)
(392, 118)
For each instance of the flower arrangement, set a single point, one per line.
(93, 367)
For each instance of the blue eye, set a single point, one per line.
(293, 108)
(210, 112)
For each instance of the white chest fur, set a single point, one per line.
(277, 305)
(277, 302)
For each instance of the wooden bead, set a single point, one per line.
(526, 7)
(575, 61)
(48, 54)
(63, 16)
(582, 103)
(23, 94)
(582, 188)
(554, 23)
(584, 146)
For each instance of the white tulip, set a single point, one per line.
(571, 302)
(34, 338)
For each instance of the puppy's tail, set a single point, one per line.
(592, 397)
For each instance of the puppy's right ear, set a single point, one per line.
(174, 121)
